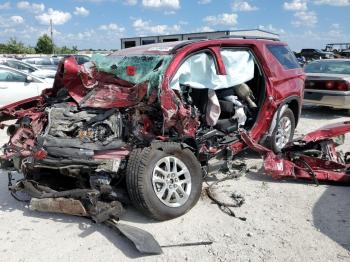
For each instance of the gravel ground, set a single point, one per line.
(286, 221)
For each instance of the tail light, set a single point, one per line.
(335, 85)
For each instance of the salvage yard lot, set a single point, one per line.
(286, 221)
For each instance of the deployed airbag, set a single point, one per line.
(199, 71)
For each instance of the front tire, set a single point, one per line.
(164, 181)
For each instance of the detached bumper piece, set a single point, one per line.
(313, 157)
(90, 203)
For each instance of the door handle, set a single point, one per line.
(3, 87)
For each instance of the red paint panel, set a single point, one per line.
(110, 95)
(328, 131)
(130, 70)
(283, 166)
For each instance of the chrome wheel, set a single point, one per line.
(283, 133)
(171, 181)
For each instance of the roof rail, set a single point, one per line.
(185, 43)
(249, 37)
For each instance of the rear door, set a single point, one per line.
(286, 74)
(14, 86)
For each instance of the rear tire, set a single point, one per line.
(283, 132)
(153, 180)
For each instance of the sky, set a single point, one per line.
(100, 24)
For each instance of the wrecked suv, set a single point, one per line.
(153, 120)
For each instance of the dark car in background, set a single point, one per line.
(312, 54)
(328, 83)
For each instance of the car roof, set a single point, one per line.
(7, 58)
(37, 57)
(18, 71)
(332, 60)
(17, 60)
(171, 47)
(13, 69)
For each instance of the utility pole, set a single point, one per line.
(51, 33)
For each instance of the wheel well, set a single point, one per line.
(294, 106)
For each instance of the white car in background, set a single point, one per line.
(28, 68)
(43, 62)
(16, 85)
(328, 83)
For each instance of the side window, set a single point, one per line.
(20, 66)
(239, 66)
(198, 71)
(82, 60)
(286, 57)
(30, 61)
(10, 76)
(43, 61)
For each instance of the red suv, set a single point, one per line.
(154, 119)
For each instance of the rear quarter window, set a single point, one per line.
(285, 56)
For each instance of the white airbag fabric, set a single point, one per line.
(199, 71)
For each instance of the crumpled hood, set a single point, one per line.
(92, 88)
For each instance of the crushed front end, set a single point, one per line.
(71, 144)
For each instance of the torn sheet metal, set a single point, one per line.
(313, 157)
(175, 113)
(92, 88)
(58, 205)
(87, 203)
(328, 131)
(143, 241)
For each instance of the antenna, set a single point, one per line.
(51, 33)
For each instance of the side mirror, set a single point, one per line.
(29, 79)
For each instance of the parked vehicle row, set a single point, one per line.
(28, 68)
(17, 85)
(21, 79)
(315, 54)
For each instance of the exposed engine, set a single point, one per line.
(70, 132)
(88, 125)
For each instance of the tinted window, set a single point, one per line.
(329, 67)
(147, 42)
(10, 76)
(82, 59)
(283, 54)
(128, 44)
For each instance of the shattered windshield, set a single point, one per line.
(135, 69)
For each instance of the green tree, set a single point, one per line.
(64, 50)
(3, 48)
(44, 45)
(14, 47)
(30, 50)
(74, 49)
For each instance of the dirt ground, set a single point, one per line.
(286, 221)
